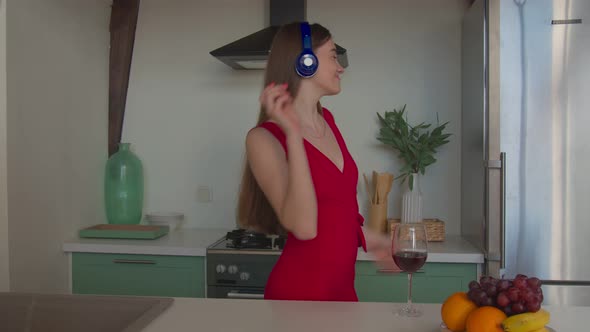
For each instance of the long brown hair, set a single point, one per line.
(254, 210)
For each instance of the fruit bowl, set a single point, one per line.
(443, 328)
(515, 305)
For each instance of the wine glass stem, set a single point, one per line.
(409, 290)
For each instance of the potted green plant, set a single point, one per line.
(416, 145)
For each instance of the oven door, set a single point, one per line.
(223, 292)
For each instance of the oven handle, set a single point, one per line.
(237, 295)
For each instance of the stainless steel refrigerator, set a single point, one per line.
(526, 142)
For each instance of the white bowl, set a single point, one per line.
(171, 224)
(170, 219)
(164, 216)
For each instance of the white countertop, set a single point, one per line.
(194, 242)
(213, 315)
(455, 249)
(182, 242)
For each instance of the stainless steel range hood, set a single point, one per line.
(251, 52)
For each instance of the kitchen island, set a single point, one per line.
(212, 315)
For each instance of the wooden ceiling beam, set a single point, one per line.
(122, 28)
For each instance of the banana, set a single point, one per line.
(527, 322)
(543, 329)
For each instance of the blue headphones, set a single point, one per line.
(307, 62)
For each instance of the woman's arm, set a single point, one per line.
(286, 183)
(379, 246)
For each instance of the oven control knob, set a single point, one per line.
(244, 276)
(220, 268)
(232, 269)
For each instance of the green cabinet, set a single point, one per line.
(142, 275)
(433, 284)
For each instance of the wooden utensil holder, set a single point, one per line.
(378, 217)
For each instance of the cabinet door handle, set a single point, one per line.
(133, 261)
(392, 271)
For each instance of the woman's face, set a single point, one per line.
(327, 78)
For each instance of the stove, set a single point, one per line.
(238, 264)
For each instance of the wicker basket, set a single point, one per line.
(435, 228)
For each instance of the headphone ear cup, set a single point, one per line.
(307, 64)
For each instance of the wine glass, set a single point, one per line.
(409, 250)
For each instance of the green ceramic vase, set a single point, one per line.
(123, 187)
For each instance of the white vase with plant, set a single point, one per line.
(416, 146)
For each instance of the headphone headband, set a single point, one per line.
(306, 35)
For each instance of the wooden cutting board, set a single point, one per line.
(110, 231)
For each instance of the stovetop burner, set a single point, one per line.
(247, 239)
(241, 238)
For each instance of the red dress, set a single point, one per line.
(322, 269)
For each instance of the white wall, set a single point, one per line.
(57, 56)
(187, 113)
(4, 271)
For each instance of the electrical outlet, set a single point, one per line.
(204, 194)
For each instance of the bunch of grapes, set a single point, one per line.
(522, 294)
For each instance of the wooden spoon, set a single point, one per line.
(368, 188)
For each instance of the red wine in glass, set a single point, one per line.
(409, 249)
(410, 261)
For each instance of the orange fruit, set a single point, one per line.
(485, 319)
(455, 310)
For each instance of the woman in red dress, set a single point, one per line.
(299, 175)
